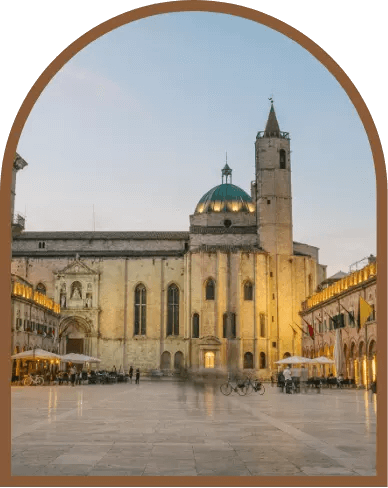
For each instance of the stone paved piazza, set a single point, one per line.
(171, 428)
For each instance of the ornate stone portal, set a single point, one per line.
(76, 285)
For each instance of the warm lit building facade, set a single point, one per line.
(226, 292)
(35, 319)
(340, 301)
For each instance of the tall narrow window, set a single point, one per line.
(232, 325)
(210, 290)
(233, 320)
(173, 310)
(140, 310)
(262, 325)
(195, 326)
(248, 291)
(282, 158)
(262, 360)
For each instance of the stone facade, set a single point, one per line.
(228, 291)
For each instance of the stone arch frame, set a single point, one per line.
(248, 282)
(174, 328)
(81, 324)
(140, 328)
(206, 283)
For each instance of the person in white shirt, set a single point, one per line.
(287, 379)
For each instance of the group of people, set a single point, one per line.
(76, 375)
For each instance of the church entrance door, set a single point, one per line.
(75, 346)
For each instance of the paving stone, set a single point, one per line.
(170, 429)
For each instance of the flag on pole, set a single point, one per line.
(364, 312)
(310, 329)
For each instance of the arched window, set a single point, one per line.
(40, 288)
(210, 290)
(286, 355)
(173, 310)
(248, 291)
(76, 290)
(232, 325)
(262, 361)
(195, 326)
(140, 310)
(282, 159)
(361, 350)
(248, 360)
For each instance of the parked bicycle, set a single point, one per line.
(36, 380)
(239, 387)
(254, 384)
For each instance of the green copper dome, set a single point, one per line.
(225, 198)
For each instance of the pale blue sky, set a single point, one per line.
(138, 124)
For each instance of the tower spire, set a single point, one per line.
(272, 128)
(226, 171)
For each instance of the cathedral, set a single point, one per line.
(226, 293)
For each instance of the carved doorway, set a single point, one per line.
(75, 346)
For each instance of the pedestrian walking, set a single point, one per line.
(73, 373)
(137, 381)
(130, 373)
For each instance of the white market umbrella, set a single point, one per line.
(322, 360)
(294, 360)
(93, 360)
(76, 358)
(36, 354)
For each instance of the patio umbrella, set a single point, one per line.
(78, 358)
(36, 354)
(322, 360)
(294, 360)
(93, 360)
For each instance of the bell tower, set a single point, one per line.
(273, 183)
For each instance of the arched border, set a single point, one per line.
(247, 13)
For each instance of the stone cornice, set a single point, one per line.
(197, 229)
